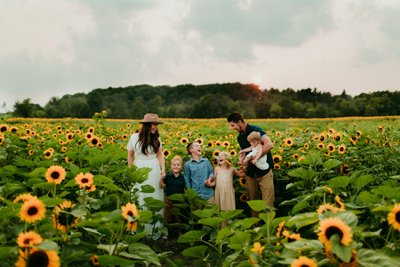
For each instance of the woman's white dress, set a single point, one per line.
(150, 161)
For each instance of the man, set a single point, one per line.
(259, 181)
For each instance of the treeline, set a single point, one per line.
(212, 101)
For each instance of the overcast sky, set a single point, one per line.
(57, 47)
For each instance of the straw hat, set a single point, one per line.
(151, 118)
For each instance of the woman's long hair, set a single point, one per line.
(147, 139)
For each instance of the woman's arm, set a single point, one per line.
(131, 157)
(161, 161)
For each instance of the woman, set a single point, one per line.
(145, 150)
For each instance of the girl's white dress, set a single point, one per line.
(224, 192)
(150, 161)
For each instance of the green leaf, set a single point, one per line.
(79, 212)
(204, 213)
(373, 258)
(343, 252)
(153, 204)
(229, 214)
(191, 236)
(362, 181)
(101, 179)
(148, 189)
(92, 230)
(339, 182)
(140, 175)
(145, 216)
(111, 187)
(195, 252)
(247, 222)
(48, 245)
(51, 202)
(267, 217)
(6, 252)
(304, 245)
(214, 222)
(107, 260)
(177, 197)
(239, 240)
(257, 205)
(145, 252)
(224, 232)
(303, 219)
(332, 163)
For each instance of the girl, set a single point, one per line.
(223, 181)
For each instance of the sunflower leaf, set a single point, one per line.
(343, 252)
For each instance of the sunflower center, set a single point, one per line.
(32, 211)
(38, 259)
(65, 218)
(130, 213)
(94, 141)
(304, 265)
(397, 217)
(27, 241)
(332, 231)
(85, 180)
(55, 175)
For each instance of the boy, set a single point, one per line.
(255, 156)
(173, 183)
(199, 173)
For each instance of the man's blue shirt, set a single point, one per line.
(195, 173)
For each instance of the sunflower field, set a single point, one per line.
(66, 196)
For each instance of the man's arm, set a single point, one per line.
(267, 145)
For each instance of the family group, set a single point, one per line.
(214, 185)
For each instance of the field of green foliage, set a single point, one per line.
(66, 198)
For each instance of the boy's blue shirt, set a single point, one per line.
(195, 173)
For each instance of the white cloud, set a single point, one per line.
(56, 47)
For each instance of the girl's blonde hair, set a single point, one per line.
(254, 136)
(227, 158)
(177, 158)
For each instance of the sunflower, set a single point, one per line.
(24, 197)
(130, 213)
(64, 149)
(88, 136)
(358, 134)
(344, 169)
(325, 207)
(226, 144)
(218, 143)
(38, 257)
(124, 137)
(28, 239)
(322, 137)
(243, 181)
(13, 129)
(91, 130)
(94, 141)
(166, 153)
(394, 217)
(338, 137)
(288, 141)
(216, 153)
(244, 198)
(380, 128)
(3, 128)
(321, 145)
(210, 144)
(200, 141)
(334, 226)
(295, 156)
(257, 248)
(342, 149)
(306, 146)
(339, 202)
(62, 217)
(32, 210)
(353, 260)
(48, 153)
(279, 229)
(70, 136)
(91, 188)
(330, 147)
(277, 159)
(232, 152)
(55, 174)
(1, 139)
(184, 140)
(291, 237)
(95, 260)
(277, 167)
(303, 261)
(84, 180)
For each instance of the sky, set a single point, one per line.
(50, 48)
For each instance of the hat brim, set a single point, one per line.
(151, 122)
